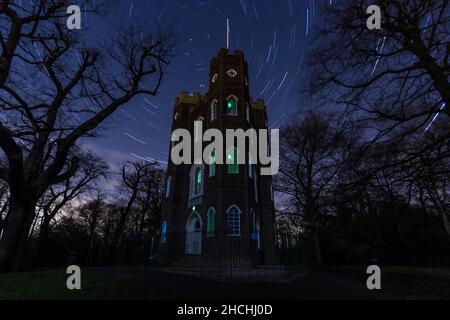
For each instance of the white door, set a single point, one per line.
(194, 243)
(194, 235)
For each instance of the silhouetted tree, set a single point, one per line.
(394, 80)
(92, 214)
(141, 183)
(50, 99)
(313, 151)
(91, 168)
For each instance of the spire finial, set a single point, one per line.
(228, 33)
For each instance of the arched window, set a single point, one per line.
(164, 232)
(198, 181)
(213, 110)
(271, 191)
(232, 102)
(232, 161)
(255, 228)
(212, 166)
(234, 221)
(211, 222)
(250, 167)
(253, 215)
(172, 140)
(168, 187)
(197, 130)
(255, 184)
(247, 113)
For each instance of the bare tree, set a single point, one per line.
(54, 90)
(394, 83)
(91, 168)
(313, 151)
(92, 213)
(395, 80)
(139, 183)
(148, 208)
(432, 178)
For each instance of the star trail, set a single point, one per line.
(273, 35)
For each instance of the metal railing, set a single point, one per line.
(237, 258)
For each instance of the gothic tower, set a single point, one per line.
(219, 213)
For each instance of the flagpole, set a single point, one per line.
(228, 33)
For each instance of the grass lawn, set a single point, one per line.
(52, 285)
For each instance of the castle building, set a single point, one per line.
(219, 212)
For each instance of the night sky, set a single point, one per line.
(272, 34)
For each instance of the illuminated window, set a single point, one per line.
(198, 181)
(213, 110)
(197, 126)
(232, 106)
(168, 187)
(234, 221)
(195, 181)
(247, 113)
(164, 232)
(211, 222)
(212, 166)
(255, 228)
(271, 191)
(250, 167)
(232, 161)
(255, 184)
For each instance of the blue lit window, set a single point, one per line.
(169, 187)
(164, 233)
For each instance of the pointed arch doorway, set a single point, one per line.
(194, 235)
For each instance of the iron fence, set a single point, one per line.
(236, 258)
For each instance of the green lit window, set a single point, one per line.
(212, 166)
(198, 181)
(232, 106)
(211, 222)
(232, 161)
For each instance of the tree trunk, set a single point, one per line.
(317, 250)
(92, 238)
(114, 252)
(42, 241)
(15, 234)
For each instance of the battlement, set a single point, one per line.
(188, 98)
(258, 104)
(227, 52)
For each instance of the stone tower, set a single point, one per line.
(219, 214)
